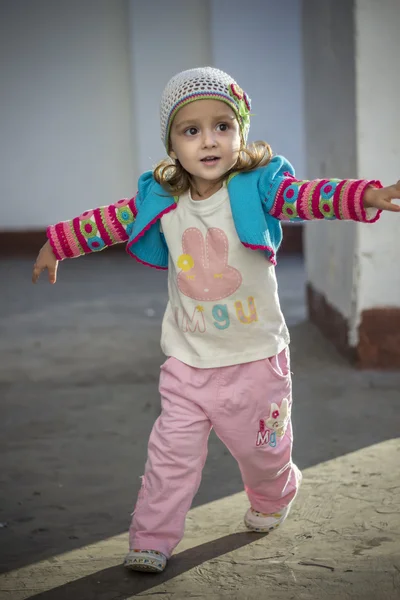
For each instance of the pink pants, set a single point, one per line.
(248, 405)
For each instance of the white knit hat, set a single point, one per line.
(202, 84)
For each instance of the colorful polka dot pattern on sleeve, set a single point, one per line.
(93, 230)
(300, 200)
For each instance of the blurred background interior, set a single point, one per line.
(80, 84)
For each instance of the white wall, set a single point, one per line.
(259, 44)
(352, 123)
(329, 83)
(165, 38)
(65, 117)
(378, 128)
(82, 80)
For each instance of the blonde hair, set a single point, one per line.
(175, 180)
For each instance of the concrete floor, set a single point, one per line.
(341, 541)
(79, 365)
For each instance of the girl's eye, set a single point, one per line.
(223, 127)
(191, 131)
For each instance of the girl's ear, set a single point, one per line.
(172, 154)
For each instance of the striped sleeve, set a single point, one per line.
(93, 230)
(299, 200)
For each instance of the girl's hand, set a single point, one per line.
(45, 260)
(382, 198)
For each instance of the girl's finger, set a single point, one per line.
(388, 205)
(53, 274)
(394, 190)
(36, 273)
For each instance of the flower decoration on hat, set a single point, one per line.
(242, 101)
(236, 90)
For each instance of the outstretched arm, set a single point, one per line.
(300, 200)
(93, 230)
(289, 199)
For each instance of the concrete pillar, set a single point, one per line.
(352, 90)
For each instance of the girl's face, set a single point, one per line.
(205, 138)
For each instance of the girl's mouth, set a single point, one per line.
(210, 160)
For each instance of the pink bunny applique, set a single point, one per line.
(205, 273)
(279, 417)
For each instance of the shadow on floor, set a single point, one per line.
(117, 583)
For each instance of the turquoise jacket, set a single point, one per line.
(251, 196)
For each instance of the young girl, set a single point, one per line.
(211, 215)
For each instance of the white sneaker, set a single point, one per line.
(262, 522)
(145, 560)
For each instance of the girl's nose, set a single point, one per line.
(209, 139)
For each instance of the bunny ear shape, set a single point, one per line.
(279, 412)
(217, 246)
(284, 408)
(193, 245)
